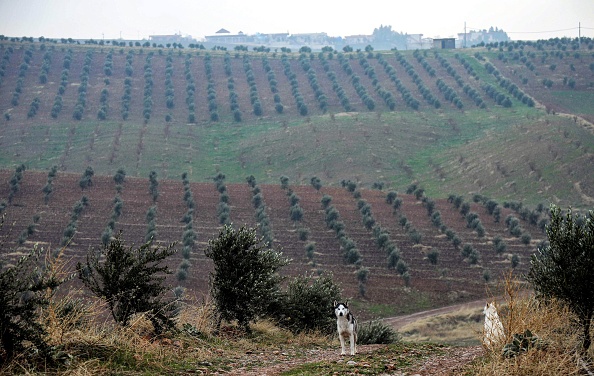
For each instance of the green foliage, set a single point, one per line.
(562, 269)
(131, 280)
(307, 304)
(377, 332)
(245, 282)
(433, 256)
(522, 342)
(25, 288)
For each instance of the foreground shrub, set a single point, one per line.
(307, 305)
(131, 281)
(376, 332)
(245, 281)
(25, 289)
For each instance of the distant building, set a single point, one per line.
(170, 39)
(353, 40)
(476, 37)
(309, 39)
(444, 43)
(223, 36)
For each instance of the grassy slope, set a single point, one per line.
(522, 154)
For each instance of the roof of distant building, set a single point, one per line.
(223, 31)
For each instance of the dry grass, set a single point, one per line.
(456, 328)
(85, 341)
(553, 323)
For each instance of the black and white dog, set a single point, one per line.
(346, 324)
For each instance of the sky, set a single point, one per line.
(137, 19)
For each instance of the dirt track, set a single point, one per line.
(400, 321)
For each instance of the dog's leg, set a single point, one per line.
(342, 344)
(353, 345)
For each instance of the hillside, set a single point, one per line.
(512, 123)
(453, 278)
(442, 118)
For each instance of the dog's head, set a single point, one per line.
(341, 309)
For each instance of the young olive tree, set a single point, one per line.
(563, 268)
(131, 281)
(25, 288)
(245, 282)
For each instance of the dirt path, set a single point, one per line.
(400, 321)
(447, 361)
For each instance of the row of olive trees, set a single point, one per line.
(4, 63)
(190, 89)
(188, 237)
(384, 93)
(356, 82)
(81, 101)
(223, 208)
(251, 79)
(424, 63)
(48, 188)
(336, 86)
(301, 106)
(260, 211)
(408, 98)
(57, 106)
(351, 253)
(313, 82)
(23, 68)
(424, 90)
(127, 96)
(296, 215)
(211, 91)
(45, 67)
(271, 76)
(70, 229)
(169, 91)
(449, 93)
(148, 88)
(233, 97)
(15, 181)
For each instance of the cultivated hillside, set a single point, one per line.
(503, 124)
(458, 273)
(457, 121)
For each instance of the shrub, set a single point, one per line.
(433, 256)
(130, 280)
(245, 282)
(24, 290)
(307, 304)
(377, 332)
(563, 268)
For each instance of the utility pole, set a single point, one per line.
(579, 35)
(464, 34)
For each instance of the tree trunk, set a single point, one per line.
(587, 340)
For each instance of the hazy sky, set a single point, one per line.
(136, 19)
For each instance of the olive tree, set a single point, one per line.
(131, 280)
(562, 268)
(245, 282)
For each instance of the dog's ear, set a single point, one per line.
(346, 304)
(335, 303)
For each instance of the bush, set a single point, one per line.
(377, 332)
(307, 304)
(24, 290)
(130, 280)
(245, 282)
(563, 268)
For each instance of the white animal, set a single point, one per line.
(346, 324)
(493, 332)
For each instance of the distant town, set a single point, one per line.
(382, 38)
